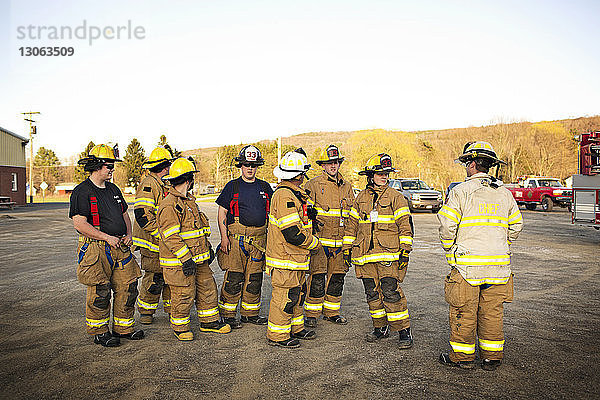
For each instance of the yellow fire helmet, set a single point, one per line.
(331, 153)
(158, 155)
(179, 167)
(473, 150)
(380, 163)
(101, 152)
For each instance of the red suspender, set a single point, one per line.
(234, 206)
(268, 204)
(94, 210)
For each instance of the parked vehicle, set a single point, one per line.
(586, 184)
(533, 191)
(418, 194)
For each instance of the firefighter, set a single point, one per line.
(242, 218)
(106, 264)
(185, 255)
(378, 240)
(477, 224)
(332, 197)
(150, 192)
(289, 242)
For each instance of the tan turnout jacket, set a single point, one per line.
(184, 230)
(380, 217)
(332, 199)
(288, 210)
(477, 225)
(149, 194)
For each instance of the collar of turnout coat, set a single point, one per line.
(176, 193)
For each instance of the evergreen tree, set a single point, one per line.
(132, 162)
(80, 174)
(45, 168)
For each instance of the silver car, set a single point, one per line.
(418, 194)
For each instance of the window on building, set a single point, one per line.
(14, 182)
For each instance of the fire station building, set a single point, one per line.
(12, 167)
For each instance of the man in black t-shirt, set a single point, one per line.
(99, 214)
(242, 218)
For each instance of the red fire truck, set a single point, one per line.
(586, 184)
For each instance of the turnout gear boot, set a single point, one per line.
(216, 327)
(310, 322)
(290, 343)
(184, 336)
(107, 340)
(378, 333)
(336, 319)
(256, 320)
(445, 359)
(305, 334)
(490, 365)
(146, 319)
(234, 323)
(405, 339)
(135, 335)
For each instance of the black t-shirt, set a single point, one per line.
(252, 201)
(111, 206)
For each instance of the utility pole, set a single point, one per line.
(32, 131)
(278, 154)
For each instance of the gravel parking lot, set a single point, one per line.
(552, 340)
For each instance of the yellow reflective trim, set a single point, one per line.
(491, 345)
(124, 321)
(488, 281)
(202, 256)
(345, 213)
(182, 251)
(450, 213)
(484, 217)
(180, 321)
(209, 312)
(331, 306)
(279, 328)
(288, 220)
(171, 231)
(145, 244)
(474, 260)
(314, 243)
(377, 257)
(332, 212)
(354, 213)
(401, 212)
(286, 264)
(405, 240)
(155, 233)
(500, 224)
(299, 320)
(330, 242)
(251, 306)
(313, 307)
(228, 306)
(380, 313)
(143, 201)
(348, 239)
(397, 316)
(466, 348)
(169, 262)
(146, 306)
(191, 234)
(96, 322)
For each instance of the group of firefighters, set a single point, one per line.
(305, 236)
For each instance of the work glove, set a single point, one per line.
(211, 255)
(403, 259)
(348, 258)
(189, 267)
(312, 212)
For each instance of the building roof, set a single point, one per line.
(14, 134)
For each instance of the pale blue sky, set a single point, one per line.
(222, 72)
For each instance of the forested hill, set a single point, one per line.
(541, 148)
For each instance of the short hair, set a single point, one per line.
(483, 164)
(93, 164)
(187, 177)
(159, 167)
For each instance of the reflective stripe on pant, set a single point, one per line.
(476, 311)
(243, 280)
(386, 300)
(285, 309)
(153, 284)
(107, 273)
(324, 294)
(200, 288)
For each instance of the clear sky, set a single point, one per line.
(223, 72)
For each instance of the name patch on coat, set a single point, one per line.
(291, 204)
(147, 189)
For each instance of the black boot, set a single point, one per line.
(336, 319)
(310, 322)
(378, 333)
(256, 320)
(107, 340)
(445, 359)
(490, 365)
(405, 339)
(305, 334)
(234, 323)
(290, 343)
(135, 335)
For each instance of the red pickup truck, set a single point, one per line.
(531, 191)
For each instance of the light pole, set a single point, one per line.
(32, 131)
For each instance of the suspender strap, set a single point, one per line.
(331, 251)
(94, 211)
(108, 256)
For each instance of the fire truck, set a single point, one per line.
(531, 191)
(586, 184)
